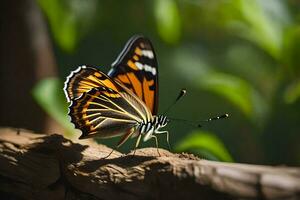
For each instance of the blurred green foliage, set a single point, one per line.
(168, 20)
(239, 57)
(51, 98)
(69, 20)
(206, 144)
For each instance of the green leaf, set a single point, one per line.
(238, 92)
(259, 22)
(206, 144)
(49, 95)
(68, 20)
(62, 24)
(292, 93)
(168, 20)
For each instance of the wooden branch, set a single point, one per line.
(35, 166)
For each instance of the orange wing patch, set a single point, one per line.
(132, 65)
(137, 86)
(148, 94)
(135, 57)
(123, 78)
(88, 84)
(97, 74)
(93, 78)
(109, 84)
(138, 51)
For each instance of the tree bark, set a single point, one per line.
(35, 166)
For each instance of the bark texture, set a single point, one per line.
(36, 166)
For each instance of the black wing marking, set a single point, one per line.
(136, 68)
(85, 78)
(106, 113)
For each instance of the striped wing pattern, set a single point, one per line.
(85, 78)
(136, 68)
(106, 113)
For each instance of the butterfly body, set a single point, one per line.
(124, 102)
(153, 127)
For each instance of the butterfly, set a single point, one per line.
(123, 102)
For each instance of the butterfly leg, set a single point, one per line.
(167, 133)
(123, 139)
(108, 154)
(137, 144)
(156, 142)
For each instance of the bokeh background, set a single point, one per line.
(239, 57)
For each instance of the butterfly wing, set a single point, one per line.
(83, 79)
(105, 113)
(136, 68)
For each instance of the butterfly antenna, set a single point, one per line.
(187, 122)
(196, 123)
(180, 95)
(214, 118)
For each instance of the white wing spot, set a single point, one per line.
(145, 67)
(148, 53)
(139, 65)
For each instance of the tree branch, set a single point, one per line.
(35, 166)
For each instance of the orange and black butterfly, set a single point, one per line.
(122, 103)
